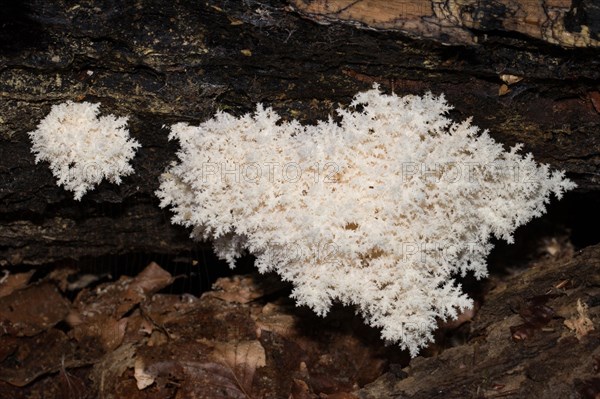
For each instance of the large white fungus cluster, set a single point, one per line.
(381, 210)
(82, 148)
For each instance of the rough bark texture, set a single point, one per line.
(520, 345)
(565, 22)
(529, 73)
(163, 61)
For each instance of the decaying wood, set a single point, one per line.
(523, 343)
(162, 62)
(563, 22)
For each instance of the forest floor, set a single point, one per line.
(68, 333)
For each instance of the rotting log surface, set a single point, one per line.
(520, 346)
(565, 22)
(166, 61)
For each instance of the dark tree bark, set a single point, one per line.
(522, 343)
(161, 61)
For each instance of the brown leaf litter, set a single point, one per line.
(125, 339)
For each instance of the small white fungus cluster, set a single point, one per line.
(381, 210)
(82, 148)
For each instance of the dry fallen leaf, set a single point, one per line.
(98, 314)
(106, 372)
(581, 323)
(34, 309)
(276, 319)
(510, 79)
(150, 280)
(48, 352)
(244, 289)
(142, 377)
(503, 90)
(301, 390)
(13, 282)
(242, 359)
